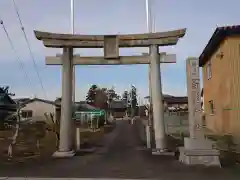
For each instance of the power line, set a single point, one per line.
(29, 47)
(14, 51)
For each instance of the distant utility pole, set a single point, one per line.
(127, 102)
(132, 108)
(139, 104)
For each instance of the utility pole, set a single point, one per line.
(131, 98)
(139, 104)
(126, 115)
(76, 130)
(156, 89)
(150, 115)
(149, 29)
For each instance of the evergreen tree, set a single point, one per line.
(91, 95)
(133, 100)
(126, 100)
(101, 98)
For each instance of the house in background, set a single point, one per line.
(174, 103)
(36, 108)
(118, 108)
(220, 62)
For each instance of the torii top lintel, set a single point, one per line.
(97, 41)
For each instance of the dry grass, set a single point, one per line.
(26, 147)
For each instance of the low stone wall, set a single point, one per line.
(174, 123)
(141, 128)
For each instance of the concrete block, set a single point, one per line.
(208, 157)
(162, 153)
(199, 151)
(190, 143)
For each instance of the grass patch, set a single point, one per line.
(229, 156)
(26, 147)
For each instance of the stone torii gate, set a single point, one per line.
(111, 45)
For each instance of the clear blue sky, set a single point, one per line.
(102, 17)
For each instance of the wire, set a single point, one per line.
(29, 47)
(15, 52)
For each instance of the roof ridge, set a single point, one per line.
(219, 35)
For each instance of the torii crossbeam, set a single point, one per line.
(99, 60)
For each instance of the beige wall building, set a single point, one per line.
(220, 62)
(36, 108)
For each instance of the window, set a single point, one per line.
(211, 107)
(27, 113)
(209, 70)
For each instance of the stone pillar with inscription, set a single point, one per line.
(194, 98)
(197, 149)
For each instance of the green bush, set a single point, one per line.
(227, 148)
(226, 142)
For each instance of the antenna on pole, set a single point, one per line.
(149, 16)
(72, 16)
(72, 31)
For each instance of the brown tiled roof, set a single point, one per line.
(174, 99)
(164, 95)
(37, 99)
(218, 36)
(118, 104)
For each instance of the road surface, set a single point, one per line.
(119, 155)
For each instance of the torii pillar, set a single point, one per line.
(157, 99)
(155, 90)
(66, 122)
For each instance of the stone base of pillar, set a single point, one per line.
(162, 152)
(199, 151)
(161, 148)
(63, 154)
(161, 143)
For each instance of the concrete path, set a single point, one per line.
(119, 155)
